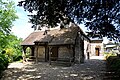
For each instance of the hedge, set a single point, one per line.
(113, 67)
(4, 60)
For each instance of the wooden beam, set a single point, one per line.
(46, 53)
(23, 56)
(50, 55)
(36, 49)
(24, 53)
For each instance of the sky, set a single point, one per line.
(21, 26)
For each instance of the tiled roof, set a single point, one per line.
(53, 37)
(34, 36)
(65, 36)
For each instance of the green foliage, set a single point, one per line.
(9, 44)
(4, 60)
(100, 16)
(116, 64)
(113, 64)
(28, 52)
(13, 49)
(7, 16)
(107, 55)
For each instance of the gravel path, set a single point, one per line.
(93, 69)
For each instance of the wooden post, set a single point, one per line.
(24, 54)
(71, 56)
(46, 53)
(50, 58)
(50, 55)
(36, 54)
(82, 51)
(73, 50)
(32, 51)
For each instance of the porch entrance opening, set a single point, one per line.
(54, 54)
(97, 51)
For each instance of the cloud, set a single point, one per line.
(21, 26)
(22, 31)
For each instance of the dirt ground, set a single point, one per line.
(93, 69)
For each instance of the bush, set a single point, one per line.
(113, 64)
(4, 60)
(17, 58)
(14, 54)
(107, 55)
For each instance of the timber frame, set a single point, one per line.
(59, 45)
(69, 59)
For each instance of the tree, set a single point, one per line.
(13, 48)
(7, 16)
(100, 16)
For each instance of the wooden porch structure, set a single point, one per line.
(54, 54)
(58, 44)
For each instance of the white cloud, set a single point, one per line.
(21, 26)
(22, 31)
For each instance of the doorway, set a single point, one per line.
(97, 51)
(54, 54)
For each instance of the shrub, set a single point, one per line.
(4, 60)
(107, 55)
(14, 54)
(113, 64)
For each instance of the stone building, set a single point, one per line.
(97, 47)
(67, 44)
(93, 48)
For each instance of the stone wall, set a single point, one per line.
(41, 52)
(86, 49)
(93, 46)
(79, 50)
(64, 52)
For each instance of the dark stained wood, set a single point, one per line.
(32, 50)
(36, 54)
(46, 53)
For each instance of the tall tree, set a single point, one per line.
(7, 16)
(100, 16)
(13, 48)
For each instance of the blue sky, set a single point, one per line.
(21, 26)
